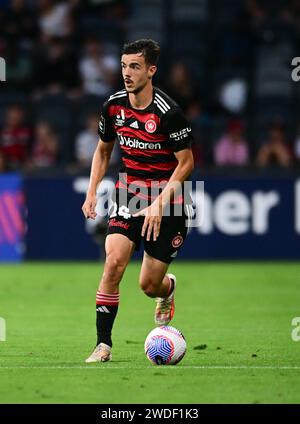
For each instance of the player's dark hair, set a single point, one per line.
(149, 48)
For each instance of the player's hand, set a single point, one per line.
(152, 221)
(89, 206)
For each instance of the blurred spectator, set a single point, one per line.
(291, 13)
(232, 148)
(235, 41)
(297, 146)
(56, 68)
(201, 127)
(86, 143)
(273, 21)
(54, 19)
(18, 23)
(3, 167)
(276, 150)
(261, 9)
(256, 11)
(247, 58)
(15, 137)
(45, 147)
(179, 85)
(98, 69)
(196, 114)
(18, 67)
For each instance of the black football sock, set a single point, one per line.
(106, 310)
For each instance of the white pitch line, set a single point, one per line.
(208, 367)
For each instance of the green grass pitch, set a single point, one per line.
(236, 317)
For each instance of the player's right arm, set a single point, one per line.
(100, 163)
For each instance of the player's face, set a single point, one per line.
(136, 73)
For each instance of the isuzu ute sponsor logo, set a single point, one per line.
(137, 144)
(179, 135)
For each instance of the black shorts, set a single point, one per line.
(173, 231)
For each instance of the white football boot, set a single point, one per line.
(165, 306)
(102, 353)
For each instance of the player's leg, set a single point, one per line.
(158, 255)
(155, 282)
(118, 253)
(118, 250)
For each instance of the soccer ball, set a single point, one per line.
(165, 345)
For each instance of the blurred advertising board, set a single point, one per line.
(236, 218)
(12, 222)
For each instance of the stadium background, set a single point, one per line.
(228, 63)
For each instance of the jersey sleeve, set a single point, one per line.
(178, 130)
(105, 128)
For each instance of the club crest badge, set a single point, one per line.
(150, 126)
(177, 241)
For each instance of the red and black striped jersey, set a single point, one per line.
(148, 138)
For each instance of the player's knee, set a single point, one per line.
(114, 267)
(150, 291)
(148, 287)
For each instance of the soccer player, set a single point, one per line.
(155, 141)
